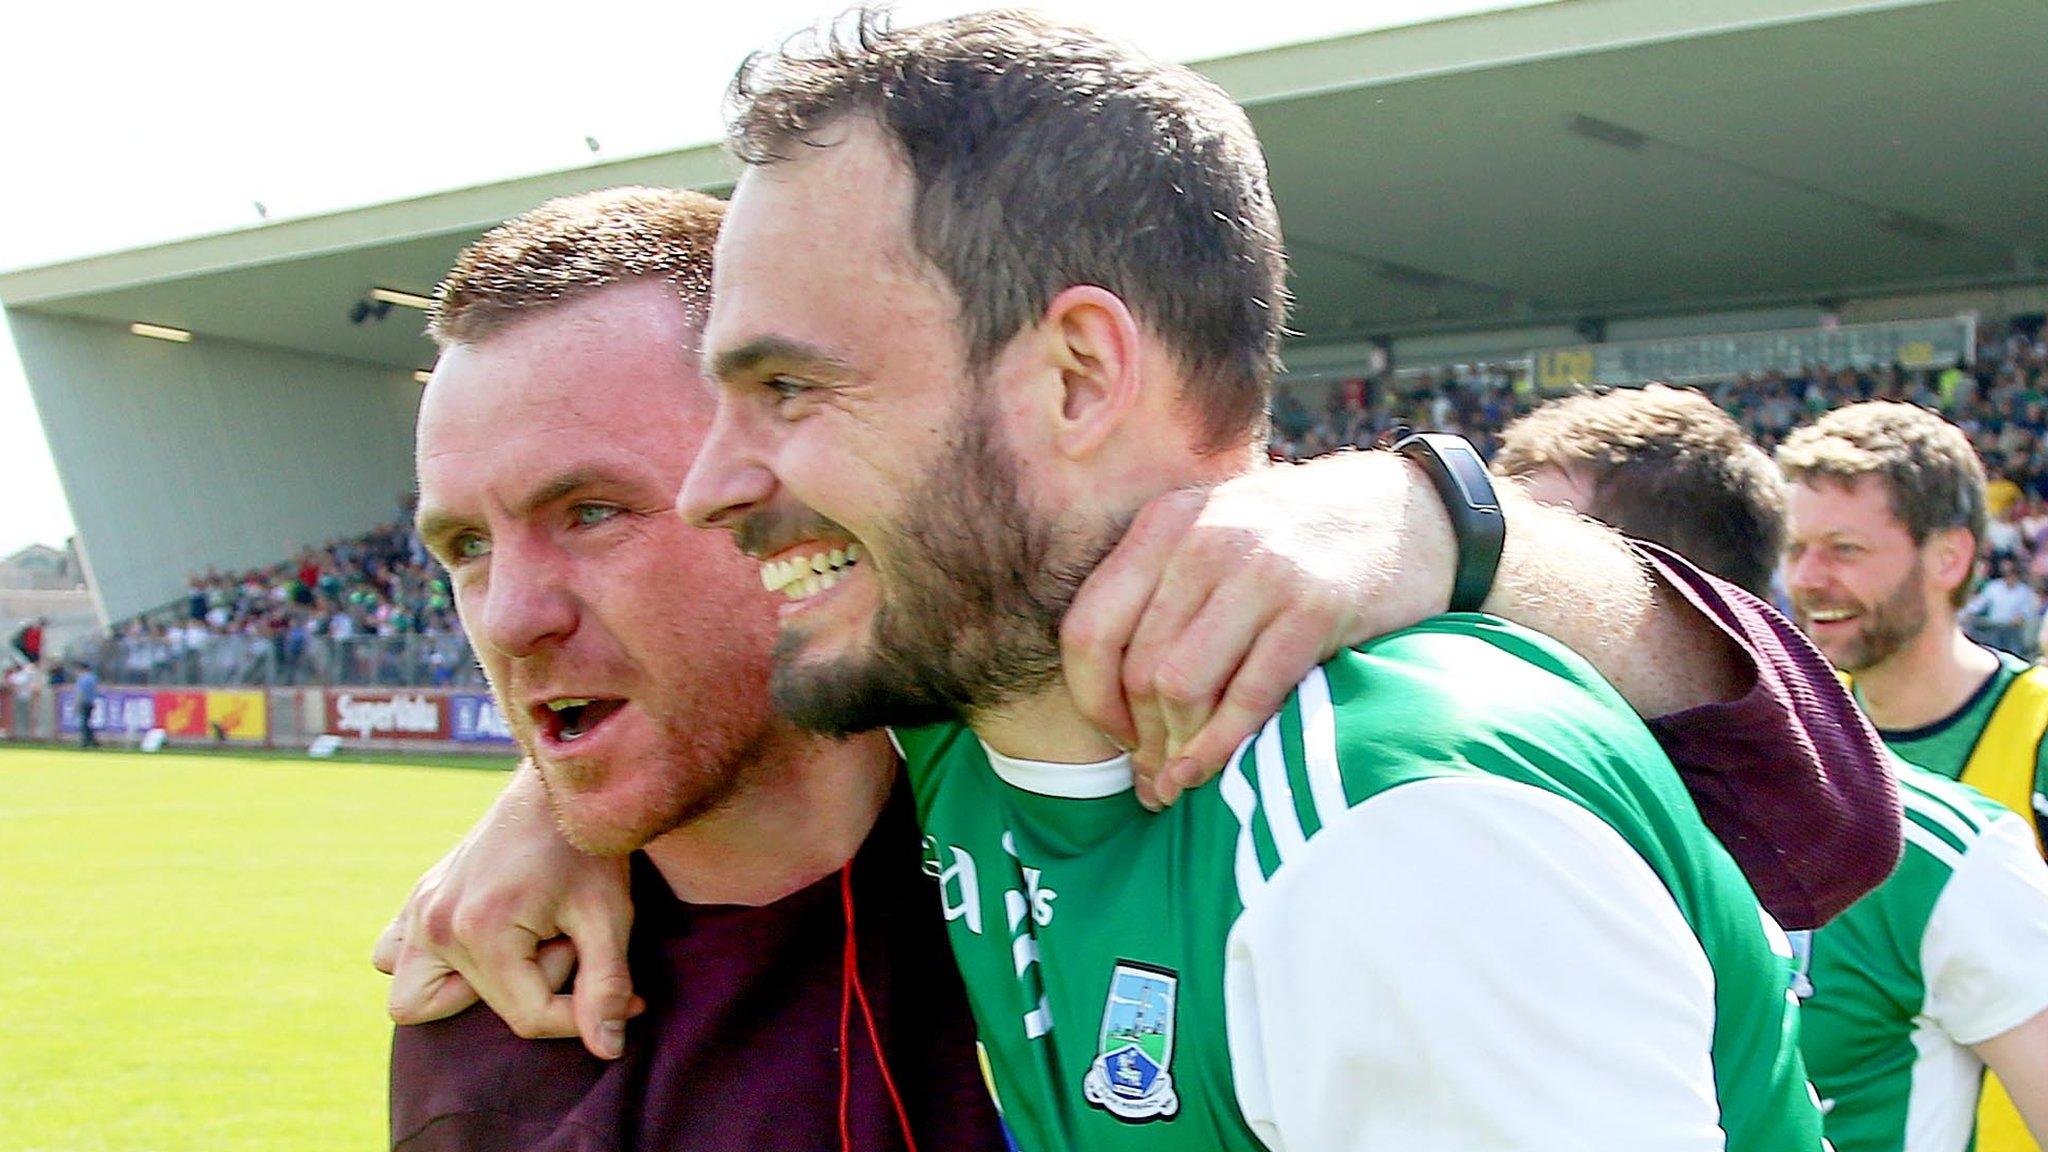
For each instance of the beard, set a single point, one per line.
(687, 778)
(704, 735)
(1886, 626)
(971, 617)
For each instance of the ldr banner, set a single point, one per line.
(474, 719)
(1911, 344)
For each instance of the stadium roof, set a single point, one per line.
(1606, 158)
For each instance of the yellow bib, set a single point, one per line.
(2001, 766)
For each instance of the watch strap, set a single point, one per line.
(1461, 480)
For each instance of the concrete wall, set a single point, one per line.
(175, 457)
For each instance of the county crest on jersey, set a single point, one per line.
(1131, 1076)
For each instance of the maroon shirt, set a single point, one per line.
(1791, 777)
(739, 1046)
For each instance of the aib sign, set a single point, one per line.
(473, 718)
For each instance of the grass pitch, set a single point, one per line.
(187, 961)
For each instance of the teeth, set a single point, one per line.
(804, 576)
(567, 703)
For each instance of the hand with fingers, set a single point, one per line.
(506, 916)
(1217, 601)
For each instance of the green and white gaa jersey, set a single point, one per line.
(1951, 951)
(1451, 897)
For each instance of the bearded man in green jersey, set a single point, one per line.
(985, 287)
(1886, 518)
(1909, 994)
(1887, 515)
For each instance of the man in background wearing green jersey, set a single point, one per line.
(988, 285)
(1887, 516)
(1943, 969)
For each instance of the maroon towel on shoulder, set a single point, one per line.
(1791, 777)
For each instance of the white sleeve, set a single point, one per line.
(1470, 964)
(1984, 955)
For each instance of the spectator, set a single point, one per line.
(2002, 493)
(2003, 538)
(2004, 611)
(28, 641)
(86, 697)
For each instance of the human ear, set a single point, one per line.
(1094, 347)
(1951, 556)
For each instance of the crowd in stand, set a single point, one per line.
(374, 609)
(2000, 402)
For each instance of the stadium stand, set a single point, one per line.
(373, 609)
(376, 610)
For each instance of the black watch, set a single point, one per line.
(1460, 477)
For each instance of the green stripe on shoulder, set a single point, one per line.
(1943, 800)
(1260, 827)
(1295, 753)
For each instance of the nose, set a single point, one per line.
(727, 478)
(1804, 571)
(528, 604)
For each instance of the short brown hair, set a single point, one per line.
(574, 245)
(1930, 473)
(1045, 156)
(1667, 466)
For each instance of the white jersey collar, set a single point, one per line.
(1066, 781)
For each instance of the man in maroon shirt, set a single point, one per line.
(561, 407)
(629, 652)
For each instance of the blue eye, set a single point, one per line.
(470, 546)
(786, 388)
(587, 515)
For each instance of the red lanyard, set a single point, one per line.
(852, 992)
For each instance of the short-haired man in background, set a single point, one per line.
(1943, 969)
(1886, 514)
(1657, 458)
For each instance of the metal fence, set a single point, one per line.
(252, 661)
